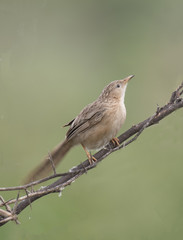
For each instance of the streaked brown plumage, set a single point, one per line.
(95, 126)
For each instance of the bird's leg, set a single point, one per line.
(91, 158)
(115, 141)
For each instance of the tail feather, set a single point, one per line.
(46, 165)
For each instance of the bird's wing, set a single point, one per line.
(88, 117)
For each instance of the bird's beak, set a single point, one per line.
(125, 80)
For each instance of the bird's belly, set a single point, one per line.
(100, 134)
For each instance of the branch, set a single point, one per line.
(65, 179)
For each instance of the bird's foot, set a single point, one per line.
(115, 141)
(91, 159)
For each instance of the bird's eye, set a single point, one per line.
(118, 85)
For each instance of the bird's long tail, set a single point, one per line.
(46, 166)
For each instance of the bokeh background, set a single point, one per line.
(56, 57)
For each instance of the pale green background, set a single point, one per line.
(56, 57)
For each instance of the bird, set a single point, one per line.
(94, 127)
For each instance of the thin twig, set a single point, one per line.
(23, 187)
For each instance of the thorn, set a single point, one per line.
(158, 109)
(27, 193)
(16, 204)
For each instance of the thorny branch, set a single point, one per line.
(65, 179)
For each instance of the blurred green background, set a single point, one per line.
(56, 57)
